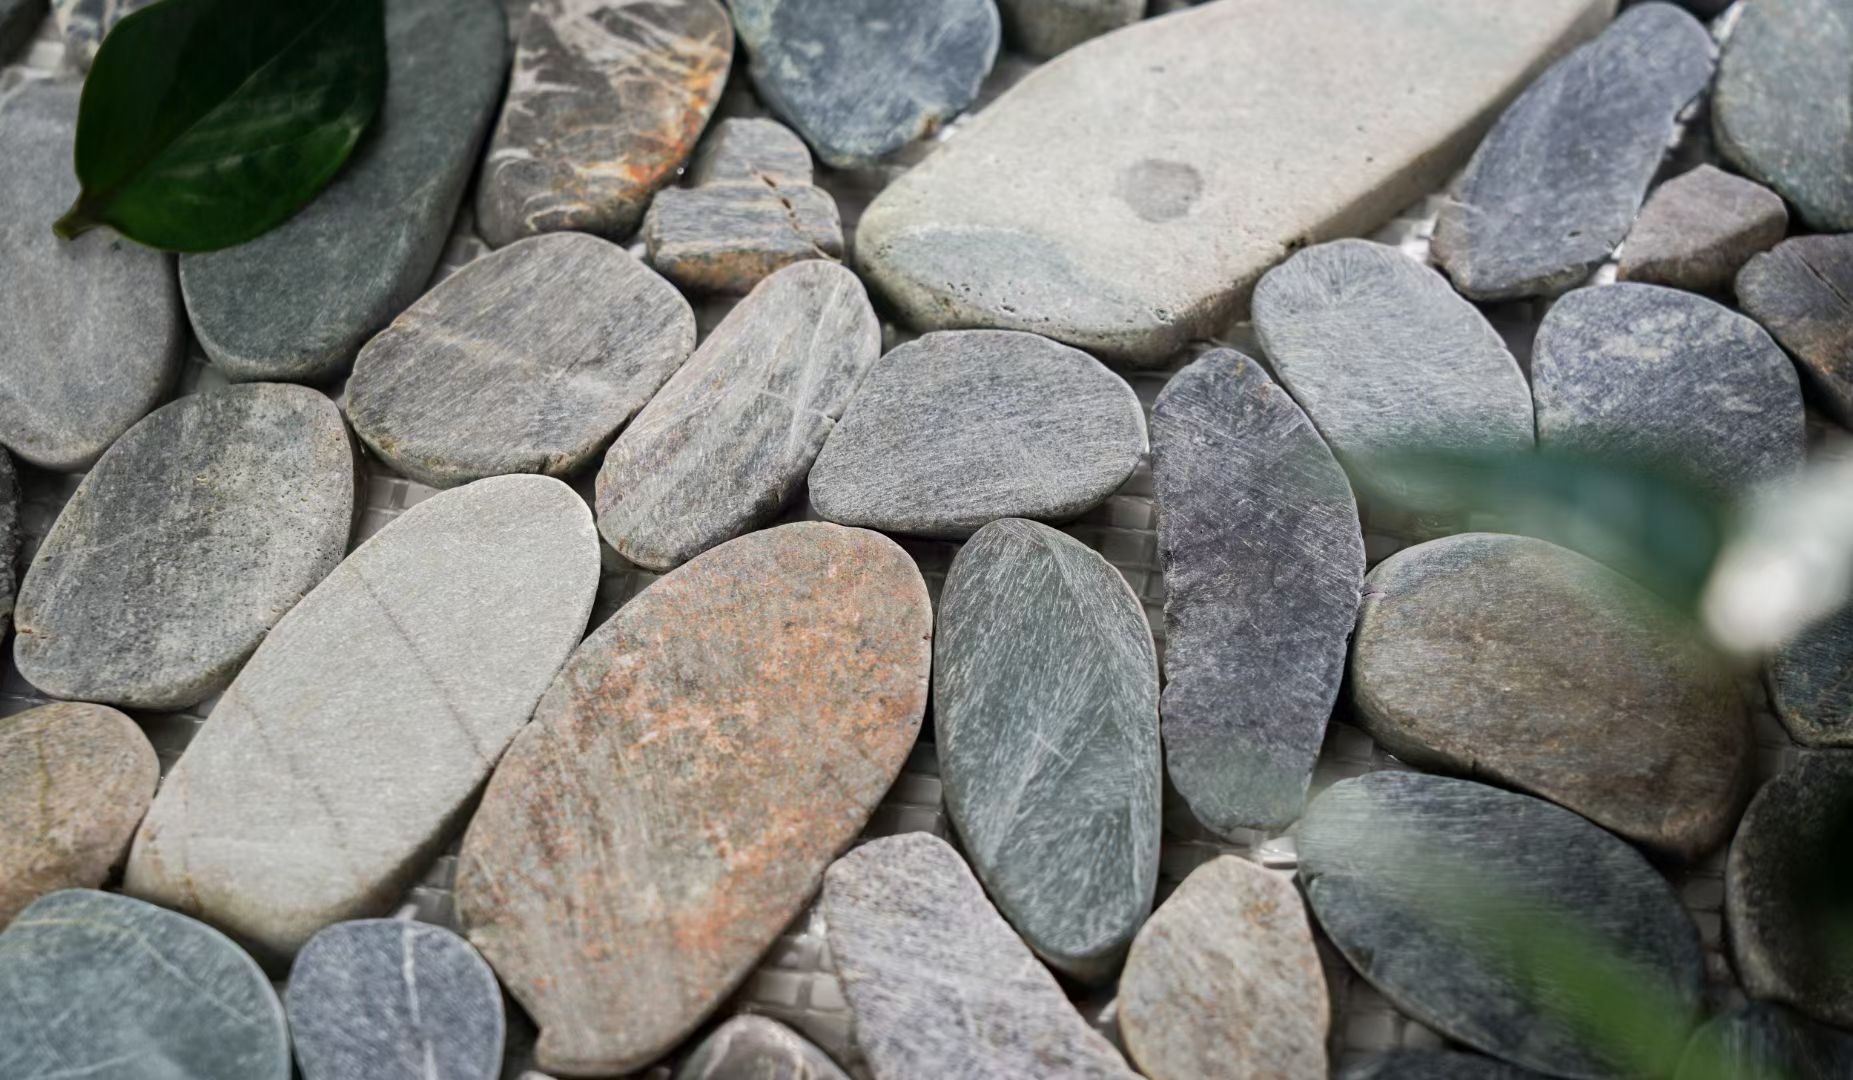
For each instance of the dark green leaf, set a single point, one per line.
(205, 123)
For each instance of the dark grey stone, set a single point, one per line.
(1048, 27)
(193, 535)
(748, 149)
(1698, 229)
(297, 303)
(1556, 184)
(393, 999)
(1434, 1065)
(755, 1048)
(83, 23)
(1764, 1041)
(1263, 557)
(1788, 887)
(860, 79)
(1783, 107)
(9, 541)
(1045, 703)
(1811, 682)
(1802, 292)
(963, 427)
(1658, 377)
(19, 20)
(103, 986)
(1428, 885)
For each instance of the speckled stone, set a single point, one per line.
(1424, 882)
(1698, 229)
(1809, 683)
(960, 428)
(1763, 1041)
(1647, 375)
(1224, 981)
(75, 780)
(727, 442)
(606, 102)
(1802, 292)
(371, 715)
(1557, 183)
(392, 999)
(1435, 1065)
(19, 20)
(297, 303)
(1048, 27)
(83, 24)
(91, 333)
(192, 536)
(1263, 556)
(754, 1048)
(932, 973)
(104, 986)
(695, 767)
(526, 360)
(1787, 890)
(9, 541)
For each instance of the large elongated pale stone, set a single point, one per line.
(691, 773)
(340, 757)
(1127, 196)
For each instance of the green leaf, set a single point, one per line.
(205, 123)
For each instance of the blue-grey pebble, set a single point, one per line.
(1760, 1040)
(751, 1047)
(1809, 684)
(1434, 1065)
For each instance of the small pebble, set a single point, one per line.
(1697, 231)
(1802, 293)
(1045, 28)
(755, 1048)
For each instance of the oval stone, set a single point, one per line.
(1463, 646)
(1045, 704)
(1808, 684)
(754, 1048)
(958, 429)
(693, 770)
(339, 760)
(527, 360)
(100, 985)
(192, 536)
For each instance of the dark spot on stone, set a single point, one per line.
(1159, 190)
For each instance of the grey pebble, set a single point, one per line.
(1809, 685)
(84, 23)
(1802, 292)
(751, 149)
(1760, 1040)
(19, 21)
(755, 1048)
(1048, 27)
(1698, 229)
(960, 428)
(1434, 1065)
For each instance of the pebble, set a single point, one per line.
(371, 716)
(1782, 111)
(526, 360)
(105, 986)
(755, 1048)
(9, 540)
(698, 763)
(1223, 981)
(297, 303)
(1763, 1041)
(1802, 292)
(185, 544)
(1652, 376)
(392, 999)
(606, 102)
(1424, 882)
(1434, 1065)
(960, 428)
(83, 24)
(1114, 201)
(75, 780)
(1557, 183)
(19, 21)
(1808, 685)
(1459, 665)
(1698, 229)
(1046, 28)
(1263, 557)
(1045, 705)
(933, 973)
(727, 442)
(91, 334)
(860, 79)
(1786, 890)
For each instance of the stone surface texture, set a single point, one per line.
(84, 23)
(691, 773)
(19, 20)
(1698, 229)
(1049, 27)
(1811, 683)
(1763, 1041)
(9, 540)
(1802, 292)
(1435, 1065)
(750, 1047)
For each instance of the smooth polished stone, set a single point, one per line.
(1763, 1041)
(751, 1047)
(1049, 27)
(84, 23)
(1802, 293)
(1808, 684)
(1434, 1065)
(1698, 229)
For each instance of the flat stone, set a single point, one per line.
(1426, 883)
(1653, 376)
(958, 429)
(393, 999)
(83, 23)
(1802, 292)
(19, 21)
(1760, 1040)
(1263, 556)
(75, 780)
(187, 542)
(728, 237)
(1786, 889)
(102, 985)
(727, 442)
(755, 150)
(297, 303)
(1114, 200)
(1048, 27)
(605, 104)
(371, 715)
(1782, 111)
(91, 334)
(1459, 662)
(1224, 981)
(1434, 1065)
(755, 1048)
(1557, 183)
(1698, 229)
(1808, 683)
(9, 540)
(1045, 705)
(860, 79)
(526, 360)
(933, 973)
(624, 872)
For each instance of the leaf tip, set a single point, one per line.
(75, 222)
